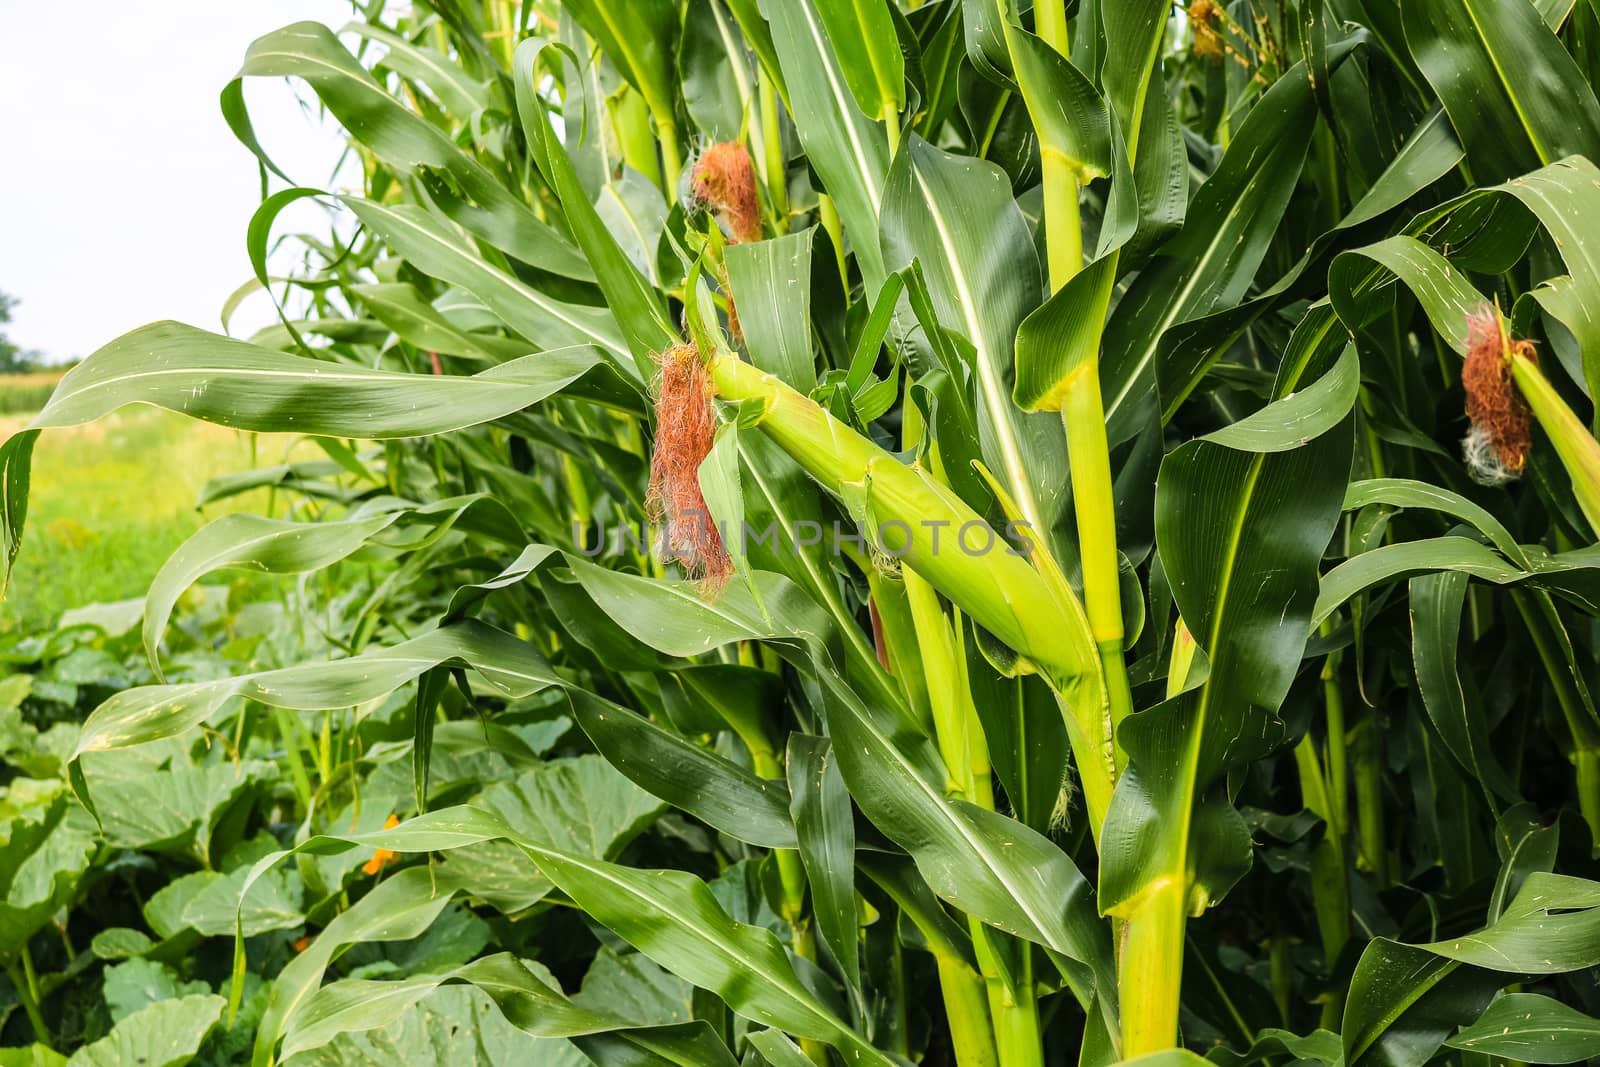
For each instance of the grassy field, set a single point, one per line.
(26, 392)
(111, 500)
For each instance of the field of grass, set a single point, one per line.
(26, 392)
(111, 500)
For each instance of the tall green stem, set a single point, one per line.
(1150, 971)
(1324, 784)
(1544, 626)
(772, 149)
(1050, 23)
(1367, 754)
(959, 735)
(1015, 1008)
(1083, 408)
(1063, 222)
(961, 743)
(1338, 739)
(1089, 458)
(828, 215)
(631, 118)
(26, 983)
(671, 161)
(966, 1008)
(1330, 877)
(294, 735)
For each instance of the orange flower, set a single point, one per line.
(381, 856)
(302, 944)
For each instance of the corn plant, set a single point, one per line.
(1068, 533)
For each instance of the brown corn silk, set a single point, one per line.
(725, 181)
(684, 434)
(1495, 406)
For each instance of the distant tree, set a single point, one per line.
(14, 359)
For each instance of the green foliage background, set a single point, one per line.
(1279, 745)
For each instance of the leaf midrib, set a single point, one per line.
(791, 990)
(843, 101)
(995, 398)
(554, 310)
(1180, 306)
(1178, 869)
(973, 841)
(1505, 83)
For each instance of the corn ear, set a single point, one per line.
(997, 587)
(1574, 444)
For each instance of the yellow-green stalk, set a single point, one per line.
(1324, 789)
(958, 732)
(1077, 395)
(828, 215)
(631, 119)
(777, 176)
(1371, 820)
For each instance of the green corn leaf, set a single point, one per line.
(1403, 1002)
(955, 216)
(686, 776)
(1472, 52)
(670, 916)
(433, 249)
(1209, 265)
(824, 824)
(1437, 601)
(1525, 845)
(1240, 535)
(1407, 1000)
(714, 72)
(455, 90)
(1533, 1029)
(987, 865)
(401, 308)
(1403, 493)
(636, 306)
(846, 147)
(275, 546)
(863, 37)
(1300, 417)
(236, 384)
(309, 51)
(140, 716)
(1071, 118)
(524, 991)
(1453, 553)
(16, 463)
(639, 39)
(774, 278)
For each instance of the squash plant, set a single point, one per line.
(1083, 513)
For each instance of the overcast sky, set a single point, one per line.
(123, 194)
